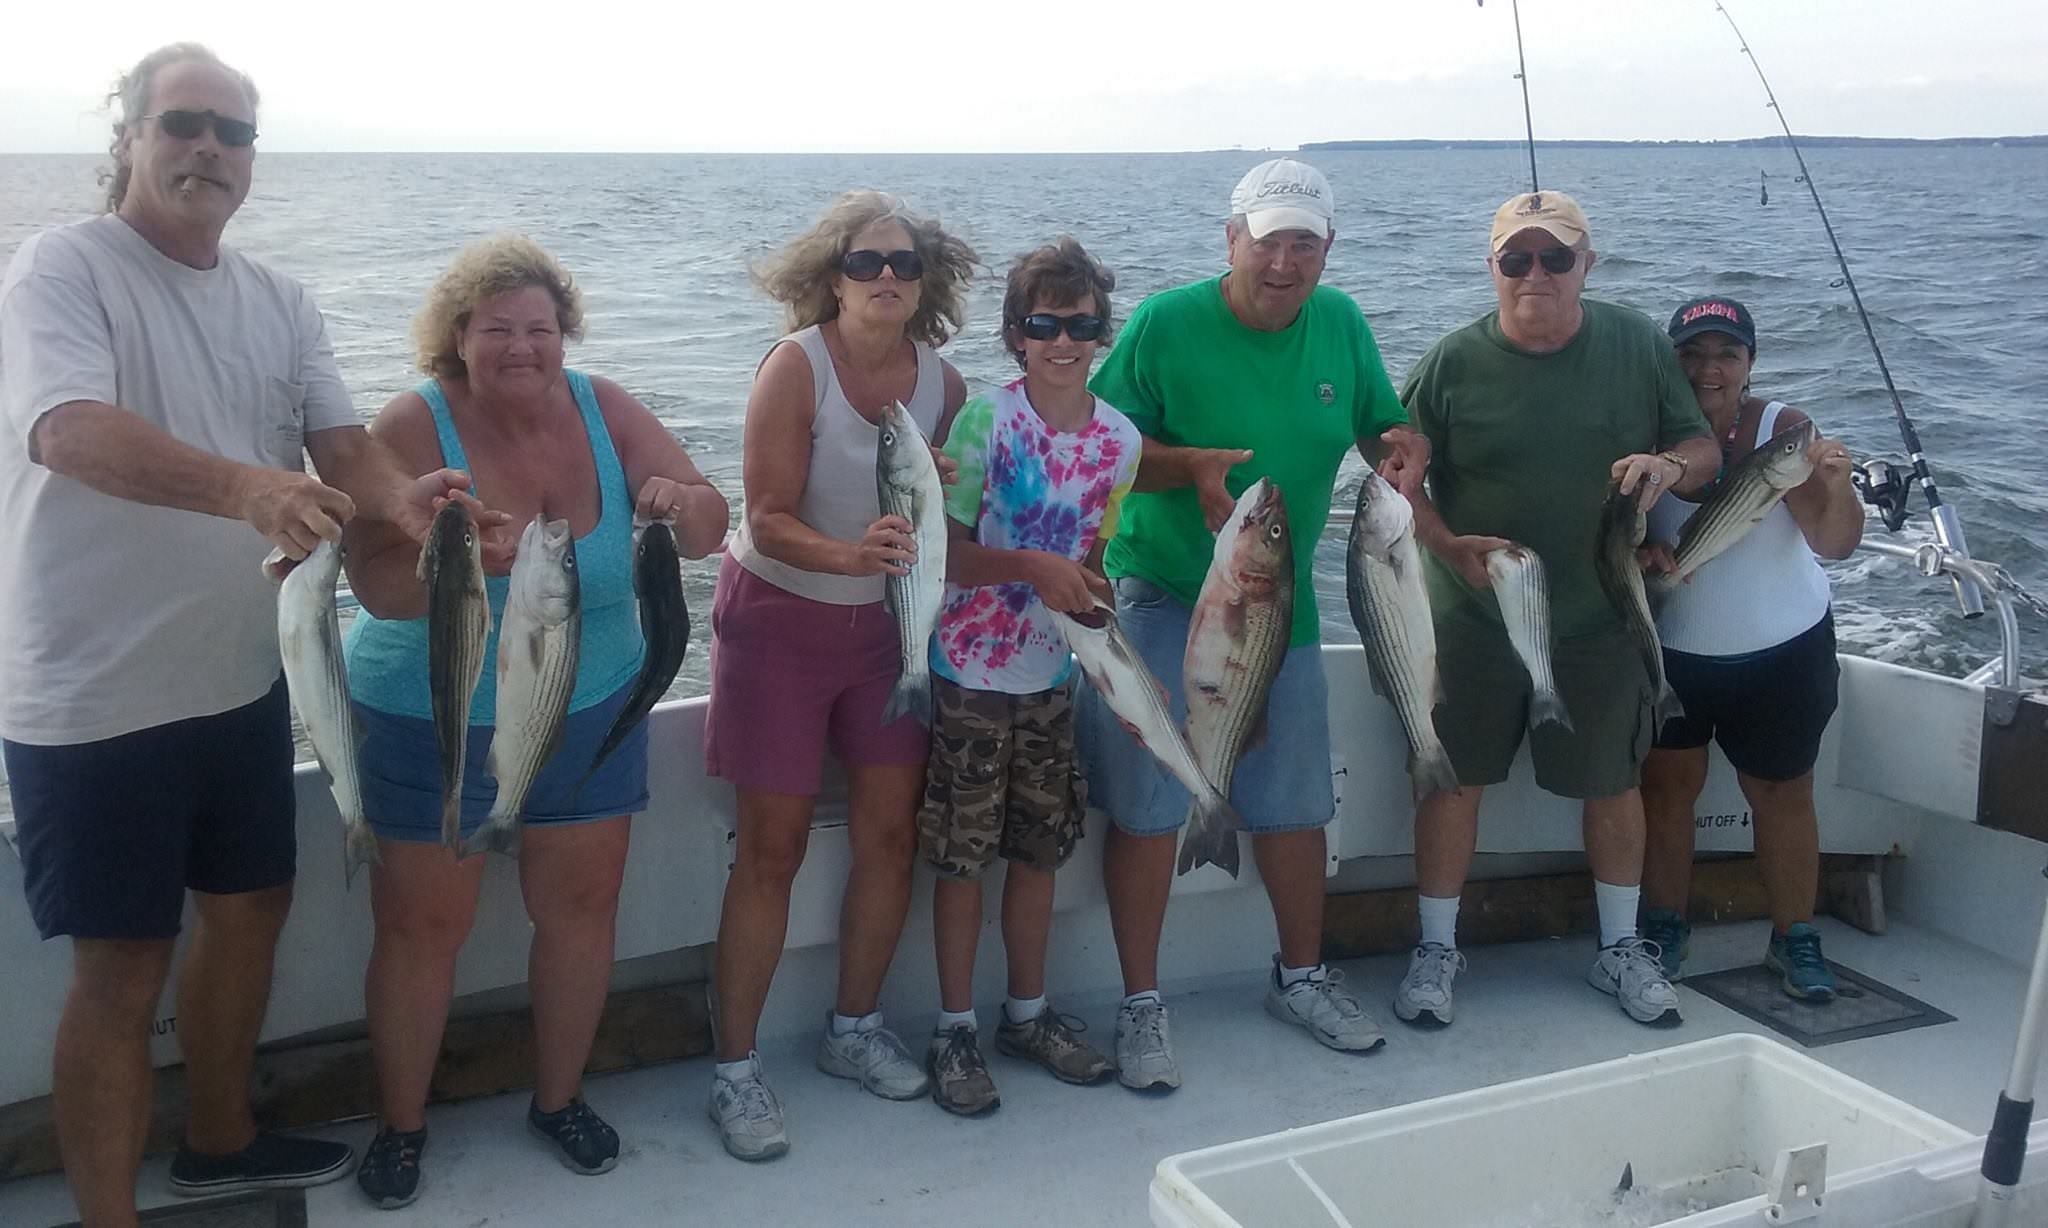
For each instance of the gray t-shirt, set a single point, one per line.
(117, 616)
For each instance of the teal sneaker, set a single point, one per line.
(1672, 935)
(1795, 956)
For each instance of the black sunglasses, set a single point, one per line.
(1557, 261)
(1044, 326)
(190, 125)
(866, 264)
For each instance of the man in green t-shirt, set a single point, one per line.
(1258, 373)
(1532, 411)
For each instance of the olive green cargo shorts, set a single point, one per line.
(1485, 711)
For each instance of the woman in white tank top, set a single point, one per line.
(803, 654)
(1749, 648)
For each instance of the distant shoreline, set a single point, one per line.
(1748, 142)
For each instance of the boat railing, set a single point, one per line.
(1934, 559)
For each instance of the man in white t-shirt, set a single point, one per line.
(157, 389)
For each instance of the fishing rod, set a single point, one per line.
(1877, 480)
(1522, 75)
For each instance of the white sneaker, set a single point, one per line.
(872, 1056)
(1144, 1052)
(1424, 995)
(1321, 1005)
(748, 1116)
(1633, 972)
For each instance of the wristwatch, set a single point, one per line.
(1676, 459)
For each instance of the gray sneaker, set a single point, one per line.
(1330, 1013)
(960, 1079)
(873, 1057)
(1632, 970)
(1053, 1041)
(1423, 997)
(1144, 1051)
(747, 1114)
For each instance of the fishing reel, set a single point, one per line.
(1883, 485)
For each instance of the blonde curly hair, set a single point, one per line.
(495, 265)
(800, 276)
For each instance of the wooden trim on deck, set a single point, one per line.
(1382, 922)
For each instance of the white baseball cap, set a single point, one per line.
(1283, 194)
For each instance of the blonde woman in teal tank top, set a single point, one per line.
(536, 438)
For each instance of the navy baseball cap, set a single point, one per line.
(1712, 314)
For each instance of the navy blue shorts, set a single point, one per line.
(113, 833)
(1767, 709)
(401, 771)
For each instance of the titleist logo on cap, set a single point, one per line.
(1700, 311)
(1288, 189)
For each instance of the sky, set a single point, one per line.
(1039, 75)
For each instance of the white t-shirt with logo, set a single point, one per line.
(117, 616)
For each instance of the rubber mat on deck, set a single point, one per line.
(1863, 1008)
(281, 1209)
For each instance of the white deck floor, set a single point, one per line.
(1058, 1155)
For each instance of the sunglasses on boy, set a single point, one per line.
(190, 125)
(1557, 261)
(1044, 326)
(866, 264)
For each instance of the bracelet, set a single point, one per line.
(1676, 459)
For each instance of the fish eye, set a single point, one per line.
(1273, 531)
(889, 437)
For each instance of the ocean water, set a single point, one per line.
(1950, 248)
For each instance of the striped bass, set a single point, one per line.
(907, 483)
(309, 636)
(1524, 595)
(537, 649)
(664, 625)
(1390, 607)
(1237, 640)
(458, 626)
(1621, 578)
(1740, 501)
(1119, 676)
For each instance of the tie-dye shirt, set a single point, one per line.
(1025, 486)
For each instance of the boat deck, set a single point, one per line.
(1054, 1154)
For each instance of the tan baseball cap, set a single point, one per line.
(1554, 212)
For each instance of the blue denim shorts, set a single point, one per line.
(401, 770)
(1282, 782)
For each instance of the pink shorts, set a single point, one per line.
(791, 677)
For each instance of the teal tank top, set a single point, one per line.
(387, 659)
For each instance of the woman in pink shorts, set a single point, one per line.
(803, 652)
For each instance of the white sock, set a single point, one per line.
(734, 1071)
(1023, 1010)
(1439, 919)
(1290, 977)
(948, 1020)
(1617, 911)
(1143, 996)
(846, 1025)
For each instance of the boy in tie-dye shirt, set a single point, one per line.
(1044, 465)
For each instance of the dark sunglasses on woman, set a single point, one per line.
(1557, 261)
(1044, 326)
(866, 264)
(190, 125)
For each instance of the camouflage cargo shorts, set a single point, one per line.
(1003, 778)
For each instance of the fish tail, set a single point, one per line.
(359, 849)
(498, 834)
(1548, 705)
(912, 696)
(451, 817)
(1431, 772)
(1666, 706)
(1211, 835)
